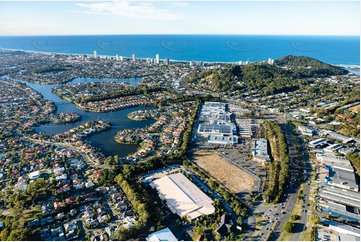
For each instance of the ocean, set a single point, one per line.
(339, 50)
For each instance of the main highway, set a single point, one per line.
(282, 211)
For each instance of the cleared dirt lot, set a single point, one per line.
(229, 175)
(354, 108)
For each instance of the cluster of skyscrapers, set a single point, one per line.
(156, 60)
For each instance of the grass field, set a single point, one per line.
(285, 236)
(226, 173)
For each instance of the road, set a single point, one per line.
(297, 167)
(281, 212)
(307, 189)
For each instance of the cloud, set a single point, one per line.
(139, 10)
(178, 4)
(25, 28)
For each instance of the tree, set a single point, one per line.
(288, 227)
(36, 187)
(109, 160)
(17, 235)
(239, 220)
(199, 230)
(355, 160)
(4, 234)
(127, 172)
(116, 160)
(295, 217)
(211, 184)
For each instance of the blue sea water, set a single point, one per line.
(209, 48)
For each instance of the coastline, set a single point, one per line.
(145, 58)
(125, 57)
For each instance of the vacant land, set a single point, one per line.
(229, 175)
(354, 108)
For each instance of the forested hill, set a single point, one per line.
(304, 66)
(287, 74)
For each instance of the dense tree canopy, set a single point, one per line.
(305, 66)
(288, 74)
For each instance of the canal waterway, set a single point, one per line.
(118, 119)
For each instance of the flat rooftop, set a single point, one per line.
(216, 129)
(343, 178)
(245, 127)
(349, 194)
(340, 210)
(182, 196)
(162, 235)
(216, 116)
(259, 149)
(341, 228)
(335, 161)
(317, 141)
(214, 105)
(223, 139)
(305, 129)
(347, 237)
(339, 199)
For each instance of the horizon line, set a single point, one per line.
(51, 35)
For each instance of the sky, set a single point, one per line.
(173, 17)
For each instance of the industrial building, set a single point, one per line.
(182, 196)
(332, 148)
(341, 196)
(260, 151)
(339, 172)
(162, 235)
(336, 136)
(339, 210)
(318, 143)
(341, 178)
(344, 232)
(305, 130)
(333, 160)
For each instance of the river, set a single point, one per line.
(118, 119)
